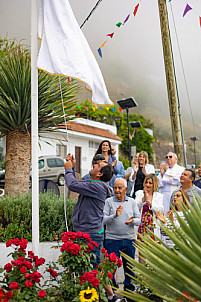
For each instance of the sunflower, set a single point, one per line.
(88, 295)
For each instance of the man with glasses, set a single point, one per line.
(169, 178)
(95, 161)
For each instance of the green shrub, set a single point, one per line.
(16, 216)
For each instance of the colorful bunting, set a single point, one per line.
(110, 35)
(113, 109)
(135, 10)
(100, 52)
(120, 109)
(118, 24)
(126, 19)
(187, 9)
(200, 21)
(103, 44)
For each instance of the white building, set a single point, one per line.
(81, 139)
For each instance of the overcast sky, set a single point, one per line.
(132, 63)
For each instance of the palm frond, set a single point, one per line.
(172, 273)
(15, 94)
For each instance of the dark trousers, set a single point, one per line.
(97, 250)
(126, 246)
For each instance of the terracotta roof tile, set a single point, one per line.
(89, 130)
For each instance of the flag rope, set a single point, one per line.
(66, 220)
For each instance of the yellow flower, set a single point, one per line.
(88, 295)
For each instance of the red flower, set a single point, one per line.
(95, 283)
(8, 267)
(103, 250)
(87, 237)
(39, 262)
(79, 234)
(113, 257)
(110, 275)
(16, 241)
(90, 246)
(52, 272)
(41, 294)
(28, 264)
(94, 272)
(14, 285)
(28, 283)
(23, 269)
(9, 295)
(91, 278)
(119, 262)
(95, 243)
(23, 243)
(30, 254)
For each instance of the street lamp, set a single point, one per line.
(194, 138)
(136, 124)
(126, 104)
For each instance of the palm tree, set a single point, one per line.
(15, 112)
(172, 275)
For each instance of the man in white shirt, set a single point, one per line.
(169, 178)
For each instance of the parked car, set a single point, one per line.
(50, 167)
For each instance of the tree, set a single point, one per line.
(15, 111)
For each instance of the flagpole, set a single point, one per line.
(34, 127)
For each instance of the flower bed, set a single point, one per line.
(21, 279)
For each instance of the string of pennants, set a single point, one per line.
(94, 108)
(118, 25)
(66, 81)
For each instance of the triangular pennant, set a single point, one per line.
(120, 109)
(100, 52)
(200, 21)
(126, 19)
(118, 24)
(103, 44)
(113, 109)
(135, 10)
(110, 35)
(187, 9)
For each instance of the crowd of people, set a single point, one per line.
(114, 206)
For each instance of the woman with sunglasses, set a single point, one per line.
(181, 198)
(139, 172)
(169, 178)
(149, 202)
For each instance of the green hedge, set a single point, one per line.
(16, 216)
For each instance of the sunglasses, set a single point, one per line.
(177, 195)
(168, 156)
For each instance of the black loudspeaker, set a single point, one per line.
(46, 185)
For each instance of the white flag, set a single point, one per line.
(65, 51)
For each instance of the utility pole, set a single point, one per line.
(171, 85)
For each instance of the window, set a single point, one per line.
(91, 144)
(60, 162)
(40, 163)
(61, 150)
(51, 162)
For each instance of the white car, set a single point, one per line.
(50, 167)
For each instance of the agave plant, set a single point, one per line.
(172, 275)
(15, 111)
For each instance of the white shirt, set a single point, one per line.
(148, 168)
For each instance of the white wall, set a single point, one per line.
(75, 139)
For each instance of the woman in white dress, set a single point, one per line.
(149, 202)
(139, 172)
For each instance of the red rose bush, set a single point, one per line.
(22, 279)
